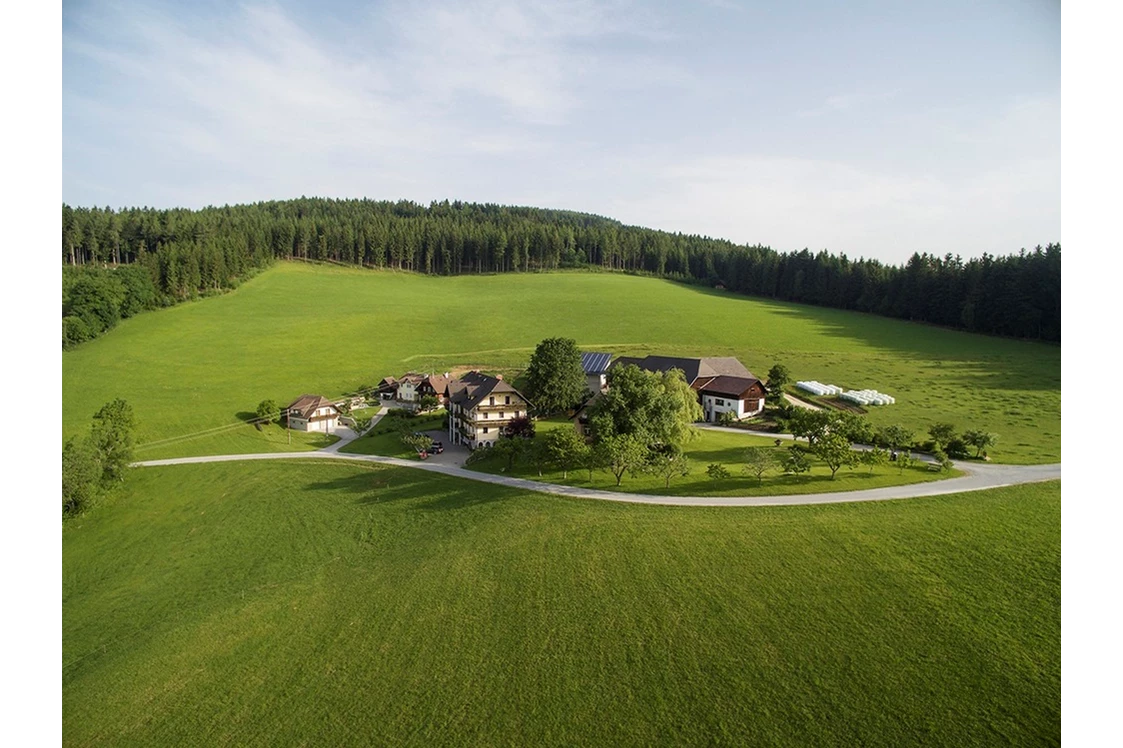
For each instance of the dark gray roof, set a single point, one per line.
(625, 360)
(693, 368)
(471, 389)
(595, 363)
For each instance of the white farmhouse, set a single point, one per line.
(312, 413)
(480, 408)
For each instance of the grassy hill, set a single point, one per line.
(191, 370)
(329, 603)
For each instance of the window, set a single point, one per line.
(485, 414)
(491, 401)
(485, 429)
(500, 414)
(719, 401)
(507, 400)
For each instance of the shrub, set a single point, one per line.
(717, 472)
(75, 331)
(957, 448)
(795, 462)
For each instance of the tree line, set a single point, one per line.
(192, 252)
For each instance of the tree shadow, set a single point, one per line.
(388, 485)
(963, 358)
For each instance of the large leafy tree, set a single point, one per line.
(667, 463)
(555, 377)
(81, 473)
(834, 450)
(778, 376)
(980, 440)
(942, 433)
(565, 449)
(267, 410)
(656, 408)
(896, 436)
(112, 436)
(621, 453)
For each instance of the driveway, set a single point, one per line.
(454, 454)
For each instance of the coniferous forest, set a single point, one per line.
(118, 263)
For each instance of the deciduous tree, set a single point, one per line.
(657, 408)
(669, 462)
(778, 378)
(555, 377)
(980, 440)
(112, 436)
(565, 449)
(622, 453)
(522, 427)
(81, 474)
(758, 461)
(267, 410)
(941, 433)
(835, 451)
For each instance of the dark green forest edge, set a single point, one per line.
(118, 263)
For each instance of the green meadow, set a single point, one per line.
(709, 447)
(329, 603)
(194, 372)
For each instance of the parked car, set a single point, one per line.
(437, 448)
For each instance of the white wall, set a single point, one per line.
(739, 408)
(327, 426)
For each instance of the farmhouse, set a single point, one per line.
(408, 387)
(741, 396)
(312, 413)
(596, 367)
(480, 407)
(388, 388)
(723, 383)
(434, 385)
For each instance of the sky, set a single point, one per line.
(874, 129)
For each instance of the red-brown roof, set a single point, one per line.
(305, 405)
(733, 387)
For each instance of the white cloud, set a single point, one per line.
(848, 101)
(792, 203)
(532, 103)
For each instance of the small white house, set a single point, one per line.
(408, 387)
(312, 413)
(741, 396)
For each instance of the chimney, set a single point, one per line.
(499, 377)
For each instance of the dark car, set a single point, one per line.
(437, 448)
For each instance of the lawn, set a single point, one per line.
(384, 438)
(329, 603)
(295, 329)
(710, 447)
(237, 438)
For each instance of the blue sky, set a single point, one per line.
(871, 128)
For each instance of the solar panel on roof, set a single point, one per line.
(595, 363)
